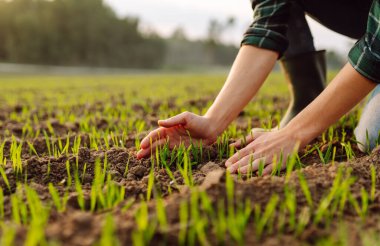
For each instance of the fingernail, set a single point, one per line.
(227, 163)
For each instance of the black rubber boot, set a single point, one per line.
(306, 75)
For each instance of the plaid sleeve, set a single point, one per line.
(269, 26)
(365, 55)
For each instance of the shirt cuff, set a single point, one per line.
(365, 61)
(266, 39)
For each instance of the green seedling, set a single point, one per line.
(145, 228)
(108, 236)
(303, 220)
(8, 234)
(161, 215)
(68, 171)
(183, 221)
(291, 206)
(150, 184)
(305, 189)
(2, 158)
(59, 203)
(262, 219)
(373, 182)
(1, 204)
(5, 178)
(80, 194)
(363, 209)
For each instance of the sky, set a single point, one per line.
(193, 16)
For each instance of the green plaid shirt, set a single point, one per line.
(268, 31)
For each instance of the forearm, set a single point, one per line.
(342, 94)
(249, 71)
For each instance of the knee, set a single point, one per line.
(367, 131)
(367, 139)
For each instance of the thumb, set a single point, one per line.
(180, 119)
(255, 133)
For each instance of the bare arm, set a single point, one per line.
(250, 69)
(342, 94)
(247, 75)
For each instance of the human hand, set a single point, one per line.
(264, 148)
(184, 128)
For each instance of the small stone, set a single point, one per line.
(212, 178)
(131, 176)
(138, 171)
(145, 179)
(83, 219)
(209, 167)
(376, 150)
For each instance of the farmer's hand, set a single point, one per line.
(183, 128)
(262, 149)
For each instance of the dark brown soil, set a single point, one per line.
(83, 227)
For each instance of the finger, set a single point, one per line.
(239, 155)
(268, 170)
(153, 136)
(180, 119)
(151, 149)
(248, 139)
(254, 166)
(245, 161)
(241, 142)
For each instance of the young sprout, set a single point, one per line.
(68, 171)
(15, 152)
(108, 236)
(8, 234)
(84, 172)
(58, 203)
(39, 215)
(2, 158)
(373, 182)
(261, 168)
(127, 166)
(1, 204)
(80, 194)
(145, 228)
(220, 223)
(290, 164)
(5, 178)
(150, 184)
(47, 142)
(186, 170)
(363, 209)
(291, 205)
(67, 145)
(31, 148)
(161, 214)
(183, 221)
(333, 156)
(305, 189)
(238, 220)
(303, 220)
(262, 219)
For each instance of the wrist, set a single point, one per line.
(215, 124)
(303, 135)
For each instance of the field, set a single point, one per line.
(69, 175)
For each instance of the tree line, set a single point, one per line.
(72, 32)
(89, 33)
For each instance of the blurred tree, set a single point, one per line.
(216, 30)
(72, 32)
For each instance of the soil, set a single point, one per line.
(78, 227)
